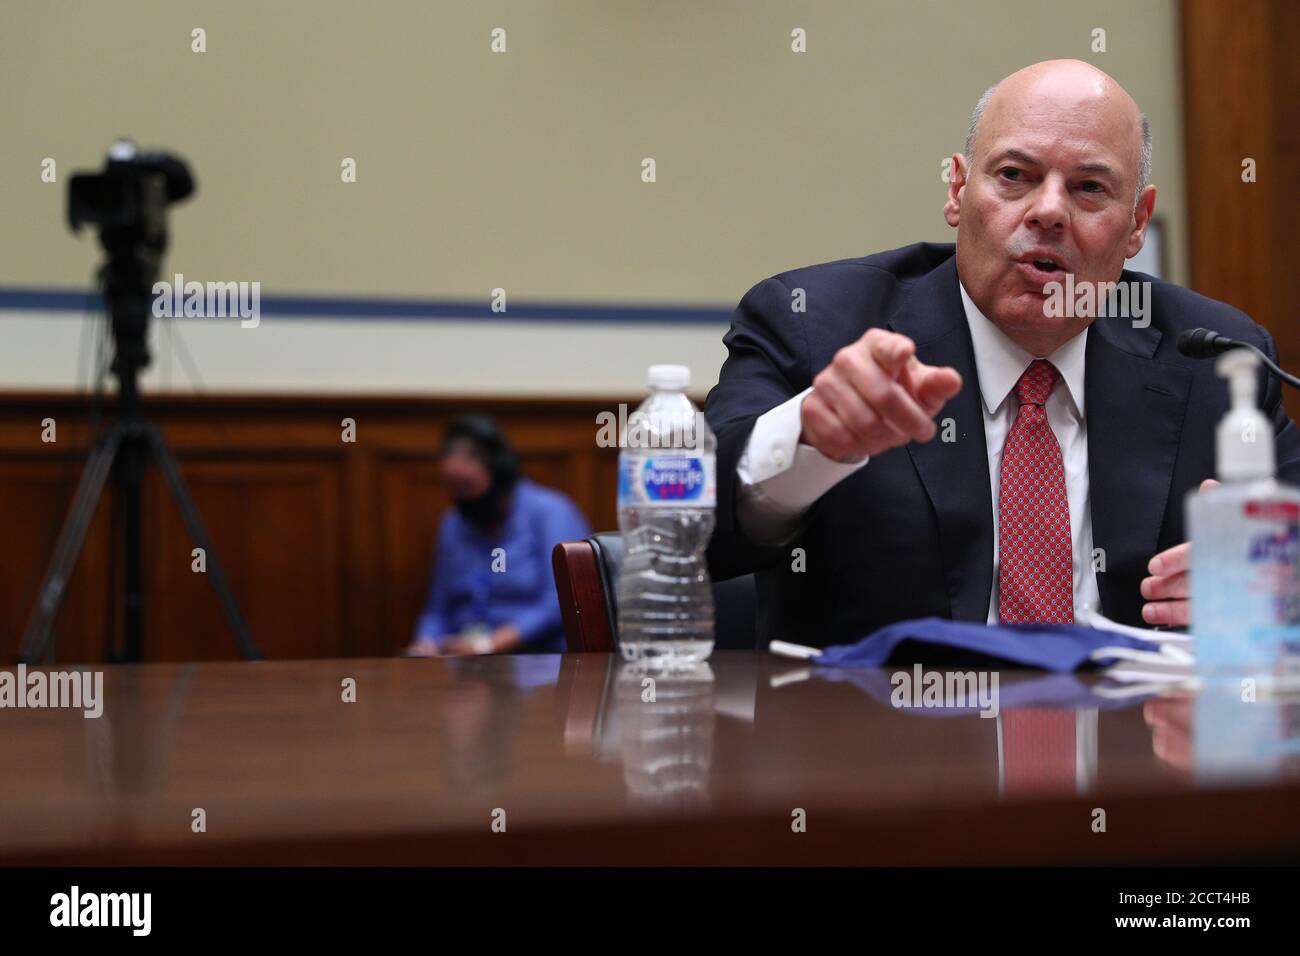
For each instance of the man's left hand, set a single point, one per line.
(1167, 589)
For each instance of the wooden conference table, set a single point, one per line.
(550, 759)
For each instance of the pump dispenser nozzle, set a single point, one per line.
(1244, 438)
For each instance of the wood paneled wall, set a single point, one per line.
(327, 544)
(1241, 76)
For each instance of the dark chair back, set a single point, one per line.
(585, 576)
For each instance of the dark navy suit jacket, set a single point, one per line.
(911, 533)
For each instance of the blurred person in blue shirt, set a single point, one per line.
(492, 589)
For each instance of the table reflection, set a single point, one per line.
(1019, 734)
(479, 715)
(665, 727)
(1228, 731)
(773, 725)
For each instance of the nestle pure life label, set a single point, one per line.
(667, 479)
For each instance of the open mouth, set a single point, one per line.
(1040, 265)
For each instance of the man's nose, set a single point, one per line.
(1049, 209)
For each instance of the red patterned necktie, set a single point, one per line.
(1037, 581)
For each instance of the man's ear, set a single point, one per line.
(1146, 205)
(956, 183)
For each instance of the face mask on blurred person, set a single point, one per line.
(486, 510)
(480, 471)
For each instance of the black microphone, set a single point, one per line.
(1205, 343)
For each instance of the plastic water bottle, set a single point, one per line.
(1245, 534)
(666, 495)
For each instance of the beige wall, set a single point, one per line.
(519, 170)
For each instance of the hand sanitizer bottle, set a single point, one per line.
(1245, 534)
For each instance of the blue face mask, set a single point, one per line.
(1015, 692)
(941, 643)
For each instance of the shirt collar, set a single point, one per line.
(999, 362)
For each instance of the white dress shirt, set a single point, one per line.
(781, 478)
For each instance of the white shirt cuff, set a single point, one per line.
(781, 478)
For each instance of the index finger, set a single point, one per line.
(891, 351)
(930, 385)
(1172, 560)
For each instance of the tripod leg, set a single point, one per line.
(68, 548)
(194, 522)
(128, 490)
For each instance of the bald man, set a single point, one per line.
(1000, 430)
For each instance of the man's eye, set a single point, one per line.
(1092, 186)
(1011, 173)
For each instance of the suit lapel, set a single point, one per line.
(955, 473)
(1135, 409)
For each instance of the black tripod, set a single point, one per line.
(128, 200)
